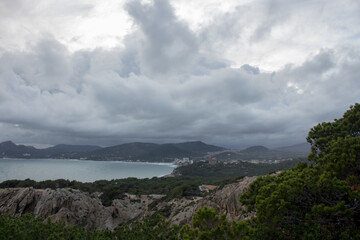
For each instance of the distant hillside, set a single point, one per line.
(129, 151)
(9, 148)
(199, 147)
(152, 152)
(66, 149)
(123, 151)
(263, 153)
(255, 150)
(257, 153)
(299, 148)
(167, 152)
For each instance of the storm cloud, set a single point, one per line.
(168, 81)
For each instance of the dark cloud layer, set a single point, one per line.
(165, 85)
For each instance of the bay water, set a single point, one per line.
(80, 170)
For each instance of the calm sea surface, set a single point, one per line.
(80, 170)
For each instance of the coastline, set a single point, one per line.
(172, 164)
(80, 170)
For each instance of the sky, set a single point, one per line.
(233, 73)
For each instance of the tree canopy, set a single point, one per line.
(318, 200)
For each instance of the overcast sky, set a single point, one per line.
(233, 73)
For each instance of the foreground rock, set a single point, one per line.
(68, 205)
(84, 209)
(225, 200)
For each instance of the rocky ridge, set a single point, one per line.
(84, 209)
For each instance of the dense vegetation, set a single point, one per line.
(28, 227)
(315, 200)
(221, 170)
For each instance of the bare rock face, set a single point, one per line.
(84, 209)
(62, 204)
(18, 201)
(73, 206)
(225, 200)
(132, 207)
(69, 205)
(183, 210)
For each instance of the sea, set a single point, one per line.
(80, 170)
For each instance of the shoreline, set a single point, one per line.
(92, 160)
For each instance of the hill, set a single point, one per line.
(257, 153)
(12, 150)
(199, 147)
(122, 151)
(65, 149)
(9, 148)
(152, 152)
(255, 150)
(128, 151)
(297, 148)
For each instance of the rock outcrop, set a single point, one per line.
(84, 209)
(67, 205)
(225, 200)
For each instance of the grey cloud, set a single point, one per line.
(285, 31)
(226, 106)
(53, 60)
(143, 93)
(47, 66)
(318, 65)
(250, 69)
(271, 13)
(166, 43)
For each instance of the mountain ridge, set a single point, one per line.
(127, 151)
(152, 152)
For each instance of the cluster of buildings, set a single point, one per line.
(183, 162)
